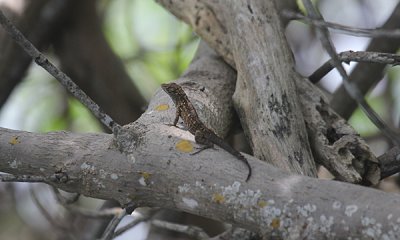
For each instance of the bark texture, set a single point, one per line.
(212, 28)
(157, 174)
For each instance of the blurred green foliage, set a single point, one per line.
(361, 122)
(154, 46)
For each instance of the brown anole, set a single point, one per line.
(202, 134)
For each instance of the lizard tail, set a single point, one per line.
(218, 141)
(248, 166)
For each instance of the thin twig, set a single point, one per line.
(236, 233)
(109, 232)
(52, 221)
(44, 212)
(66, 81)
(83, 211)
(66, 203)
(351, 88)
(130, 225)
(357, 32)
(355, 56)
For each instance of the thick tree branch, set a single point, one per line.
(272, 202)
(266, 96)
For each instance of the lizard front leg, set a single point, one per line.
(200, 138)
(177, 115)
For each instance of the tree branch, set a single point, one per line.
(358, 32)
(272, 201)
(358, 56)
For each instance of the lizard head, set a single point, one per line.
(173, 89)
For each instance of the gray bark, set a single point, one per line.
(156, 174)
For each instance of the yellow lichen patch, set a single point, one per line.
(145, 175)
(218, 198)
(184, 146)
(162, 107)
(14, 140)
(276, 223)
(262, 203)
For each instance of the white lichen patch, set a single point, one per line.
(85, 166)
(41, 169)
(268, 213)
(13, 164)
(372, 228)
(230, 193)
(189, 202)
(98, 183)
(325, 223)
(142, 181)
(199, 185)
(114, 176)
(306, 210)
(184, 189)
(350, 210)
(248, 198)
(245, 203)
(336, 205)
(132, 158)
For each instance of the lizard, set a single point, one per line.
(202, 134)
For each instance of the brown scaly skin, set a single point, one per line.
(202, 134)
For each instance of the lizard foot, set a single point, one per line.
(201, 149)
